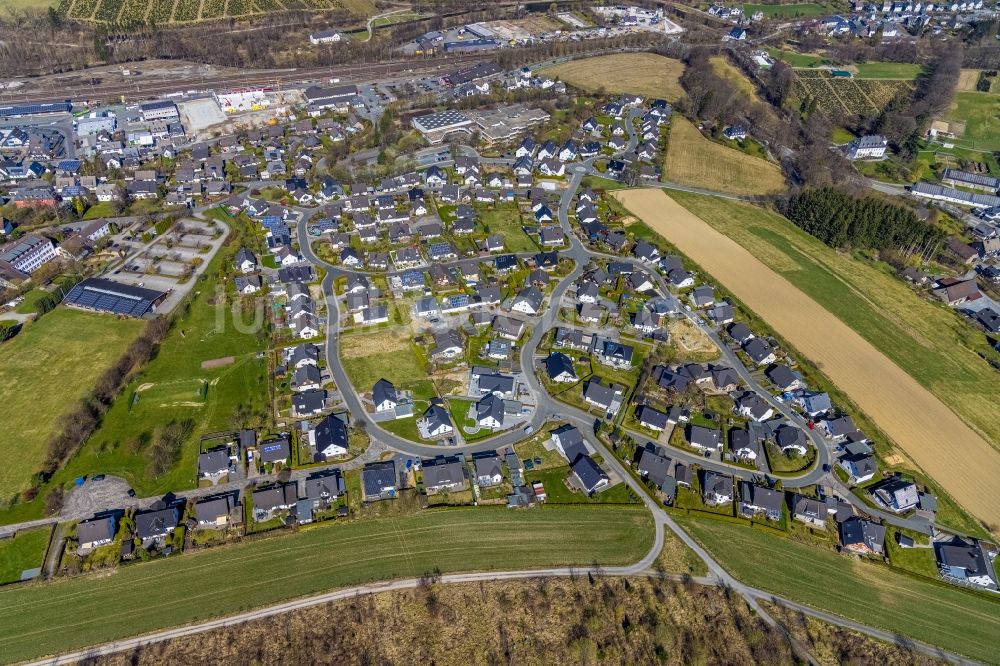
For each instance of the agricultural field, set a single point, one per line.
(45, 619)
(644, 74)
(166, 12)
(980, 114)
(860, 327)
(175, 388)
(694, 160)
(950, 617)
(44, 371)
(24, 551)
(29, 5)
(837, 96)
(795, 10)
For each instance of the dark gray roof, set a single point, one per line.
(760, 497)
(702, 436)
(214, 461)
(588, 472)
(857, 531)
(599, 393)
(274, 497)
(209, 510)
(654, 417)
(382, 391)
(443, 471)
(330, 431)
(558, 363)
(149, 524)
(496, 383)
(489, 406)
(378, 475)
(309, 401)
(487, 465)
(275, 450)
(571, 441)
(96, 529)
(654, 465)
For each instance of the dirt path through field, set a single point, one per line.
(931, 434)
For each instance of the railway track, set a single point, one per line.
(139, 89)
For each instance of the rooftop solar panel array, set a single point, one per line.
(111, 297)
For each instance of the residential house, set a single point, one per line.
(268, 502)
(809, 511)
(435, 422)
(378, 480)
(588, 474)
(559, 368)
(862, 536)
(488, 469)
(155, 525)
(704, 439)
(329, 438)
(716, 488)
(96, 532)
(384, 396)
(760, 500)
(443, 474)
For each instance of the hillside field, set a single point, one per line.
(943, 615)
(168, 12)
(694, 160)
(44, 371)
(981, 114)
(839, 315)
(38, 620)
(644, 74)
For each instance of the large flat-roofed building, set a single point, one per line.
(507, 122)
(337, 97)
(28, 254)
(952, 195)
(436, 126)
(978, 181)
(113, 297)
(33, 109)
(162, 109)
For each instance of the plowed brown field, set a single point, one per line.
(938, 441)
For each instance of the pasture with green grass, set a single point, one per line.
(25, 550)
(46, 619)
(927, 340)
(947, 616)
(44, 372)
(796, 59)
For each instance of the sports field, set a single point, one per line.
(888, 70)
(942, 615)
(44, 619)
(694, 160)
(981, 114)
(644, 74)
(44, 371)
(917, 421)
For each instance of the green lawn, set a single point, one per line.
(918, 560)
(888, 70)
(506, 221)
(979, 112)
(939, 614)
(25, 550)
(45, 619)
(44, 371)
(929, 342)
(174, 386)
(554, 480)
(30, 303)
(840, 136)
(101, 209)
(786, 11)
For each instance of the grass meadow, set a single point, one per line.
(37, 620)
(953, 618)
(44, 371)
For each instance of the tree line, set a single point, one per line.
(845, 221)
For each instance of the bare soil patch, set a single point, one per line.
(921, 425)
(217, 362)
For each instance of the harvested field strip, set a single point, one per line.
(919, 423)
(637, 73)
(36, 620)
(694, 160)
